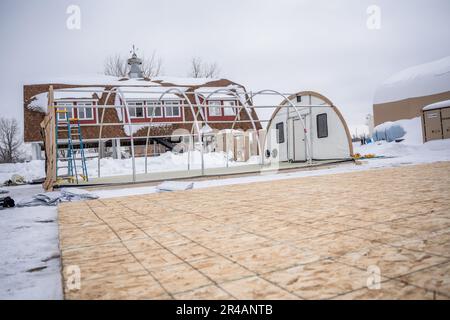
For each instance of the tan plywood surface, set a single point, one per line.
(308, 238)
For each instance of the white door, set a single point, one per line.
(299, 141)
(291, 140)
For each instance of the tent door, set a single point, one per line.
(297, 150)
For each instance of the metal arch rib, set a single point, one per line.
(243, 106)
(113, 90)
(252, 95)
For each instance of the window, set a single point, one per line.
(62, 116)
(229, 110)
(299, 99)
(154, 109)
(214, 109)
(135, 110)
(172, 109)
(280, 132)
(85, 113)
(322, 126)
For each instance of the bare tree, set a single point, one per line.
(116, 65)
(151, 66)
(10, 141)
(196, 68)
(211, 70)
(200, 69)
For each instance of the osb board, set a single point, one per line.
(308, 238)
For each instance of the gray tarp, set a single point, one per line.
(55, 197)
(168, 186)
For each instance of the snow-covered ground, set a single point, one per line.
(29, 253)
(112, 167)
(29, 236)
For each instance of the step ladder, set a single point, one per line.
(70, 126)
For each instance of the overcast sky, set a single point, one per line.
(285, 45)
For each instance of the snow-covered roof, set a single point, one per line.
(39, 102)
(80, 93)
(437, 105)
(95, 79)
(150, 93)
(99, 79)
(422, 80)
(209, 92)
(184, 81)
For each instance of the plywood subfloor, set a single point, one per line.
(378, 234)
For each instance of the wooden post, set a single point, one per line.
(48, 126)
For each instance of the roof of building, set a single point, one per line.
(418, 81)
(437, 105)
(104, 80)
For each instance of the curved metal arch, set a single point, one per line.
(148, 134)
(225, 90)
(170, 90)
(101, 126)
(190, 105)
(130, 126)
(286, 99)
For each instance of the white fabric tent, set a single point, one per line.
(307, 127)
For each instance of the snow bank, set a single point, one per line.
(114, 167)
(410, 150)
(164, 163)
(422, 80)
(408, 129)
(405, 153)
(29, 170)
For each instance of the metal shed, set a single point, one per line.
(436, 121)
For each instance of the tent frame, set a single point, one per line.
(246, 104)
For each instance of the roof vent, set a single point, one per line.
(135, 65)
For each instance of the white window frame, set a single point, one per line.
(85, 105)
(133, 105)
(172, 105)
(154, 105)
(61, 105)
(229, 105)
(212, 105)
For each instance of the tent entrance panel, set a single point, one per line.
(445, 113)
(433, 125)
(297, 146)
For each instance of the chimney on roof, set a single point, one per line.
(135, 66)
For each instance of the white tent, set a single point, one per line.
(307, 126)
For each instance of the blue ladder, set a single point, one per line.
(72, 127)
